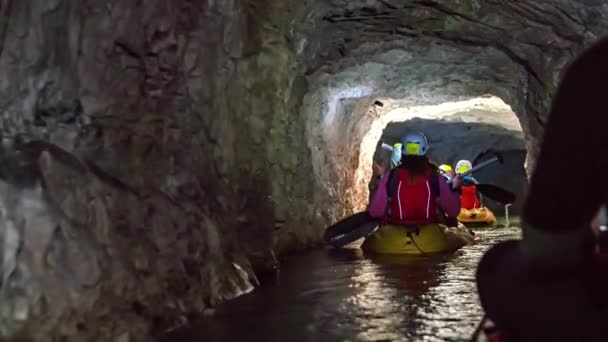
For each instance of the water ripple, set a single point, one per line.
(333, 295)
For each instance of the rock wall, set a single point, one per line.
(178, 114)
(89, 258)
(222, 132)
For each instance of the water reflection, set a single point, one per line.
(344, 295)
(390, 292)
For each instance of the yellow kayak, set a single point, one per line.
(426, 239)
(482, 216)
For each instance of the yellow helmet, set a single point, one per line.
(443, 168)
(415, 144)
(463, 166)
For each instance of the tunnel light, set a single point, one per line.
(334, 100)
(447, 109)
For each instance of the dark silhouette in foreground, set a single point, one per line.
(551, 286)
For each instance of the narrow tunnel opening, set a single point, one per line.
(347, 108)
(473, 130)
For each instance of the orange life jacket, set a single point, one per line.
(468, 198)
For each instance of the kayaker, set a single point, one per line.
(396, 155)
(550, 286)
(379, 169)
(413, 192)
(446, 171)
(468, 199)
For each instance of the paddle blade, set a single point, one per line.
(500, 160)
(362, 231)
(346, 225)
(496, 193)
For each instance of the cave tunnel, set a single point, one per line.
(474, 130)
(161, 160)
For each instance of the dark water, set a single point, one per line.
(341, 295)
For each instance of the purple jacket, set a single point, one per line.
(449, 200)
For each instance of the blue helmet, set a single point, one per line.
(415, 144)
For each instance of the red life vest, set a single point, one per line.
(468, 198)
(413, 200)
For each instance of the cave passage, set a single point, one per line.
(472, 130)
(466, 129)
(162, 160)
(347, 294)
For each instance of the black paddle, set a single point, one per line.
(346, 225)
(359, 232)
(360, 225)
(497, 158)
(496, 193)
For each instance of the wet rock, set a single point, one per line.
(264, 263)
(74, 242)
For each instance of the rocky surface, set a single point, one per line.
(140, 90)
(227, 132)
(76, 240)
